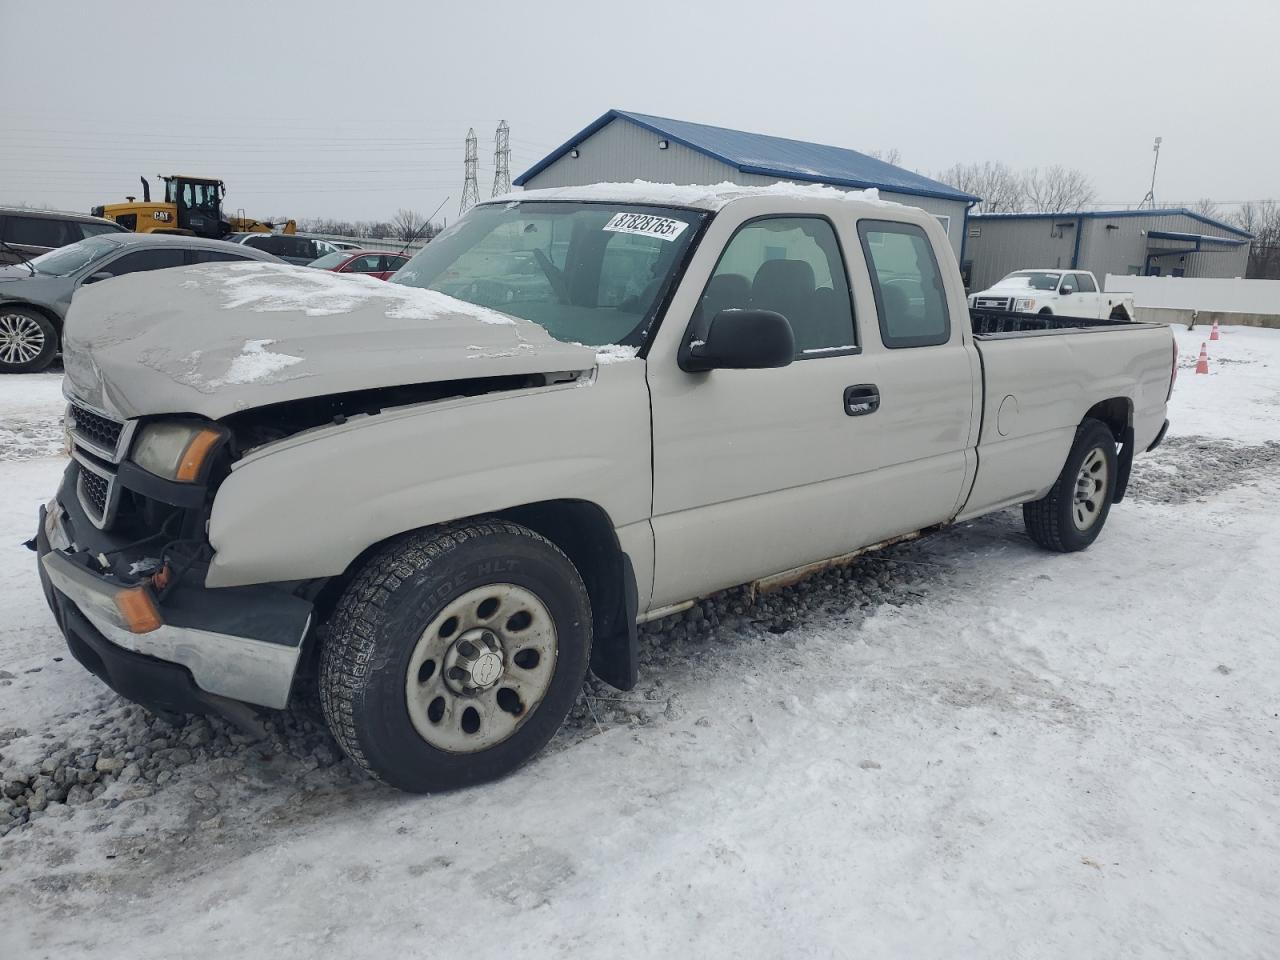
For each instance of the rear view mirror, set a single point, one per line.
(1066, 290)
(100, 275)
(739, 340)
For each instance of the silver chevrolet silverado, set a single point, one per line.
(441, 500)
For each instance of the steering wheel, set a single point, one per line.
(554, 275)
(488, 292)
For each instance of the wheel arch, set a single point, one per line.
(1117, 414)
(44, 311)
(585, 532)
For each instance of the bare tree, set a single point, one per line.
(1057, 189)
(1000, 187)
(893, 155)
(1206, 208)
(1262, 219)
(408, 224)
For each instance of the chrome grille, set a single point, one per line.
(992, 303)
(101, 435)
(98, 444)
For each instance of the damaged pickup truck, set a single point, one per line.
(443, 499)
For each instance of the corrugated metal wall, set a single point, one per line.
(621, 152)
(1117, 245)
(1007, 245)
(1120, 245)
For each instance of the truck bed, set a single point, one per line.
(992, 324)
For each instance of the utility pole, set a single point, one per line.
(502, 160)
(470, 189)
(1151, 194)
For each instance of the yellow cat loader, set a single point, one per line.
(191, 206)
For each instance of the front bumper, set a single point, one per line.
(238, 643)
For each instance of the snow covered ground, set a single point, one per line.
(965, 748)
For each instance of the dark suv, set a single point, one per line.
(288, 247)
(28, 233)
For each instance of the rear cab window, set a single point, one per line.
(911, 298)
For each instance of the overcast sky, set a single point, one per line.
(354, 109)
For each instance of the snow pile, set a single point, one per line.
(707, 197)
(255, 364)
(269, 287)
(615, 353)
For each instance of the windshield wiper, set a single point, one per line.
(22, 257)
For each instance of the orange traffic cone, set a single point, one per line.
(1202, 365)
(1213, 334)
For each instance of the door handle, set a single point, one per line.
(861, 399)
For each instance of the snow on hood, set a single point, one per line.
(700, 196)
(214, 339)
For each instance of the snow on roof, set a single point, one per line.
(764, 155)
(700, 196)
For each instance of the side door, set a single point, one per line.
(1091, 301)
(367, 264)
(754, 470)
(928, 377)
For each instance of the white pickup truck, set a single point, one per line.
(1073, 293)
(443, 498)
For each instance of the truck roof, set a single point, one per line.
(696, 196)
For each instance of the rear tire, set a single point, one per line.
(28, 340)
(1072, 514)
(455, 655)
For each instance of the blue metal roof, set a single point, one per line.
(1113, 214)
(769, 157)
(1196, 238)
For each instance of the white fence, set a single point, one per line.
(1187, 293)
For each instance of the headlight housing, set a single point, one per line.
(1024, 306)
(180, 451)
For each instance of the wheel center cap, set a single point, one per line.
(486, 669)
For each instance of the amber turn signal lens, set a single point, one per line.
(138, 610)
(194, 456)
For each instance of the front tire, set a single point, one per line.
(455, 655)
(1072, 514)
(28, 340)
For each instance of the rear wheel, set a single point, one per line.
(1072, 514)
(28, 340)
(455, 655)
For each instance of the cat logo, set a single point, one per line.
(164, 216)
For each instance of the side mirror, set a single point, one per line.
(738, 340)
(100, 275)
(1065, 291)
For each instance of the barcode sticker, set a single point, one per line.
(646, 225)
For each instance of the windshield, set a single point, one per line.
(590, 273)
(67, 260)
(1035, 279)
(329, 260)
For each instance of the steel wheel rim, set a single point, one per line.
(481, 668)
(1091, 489)
(21, 339)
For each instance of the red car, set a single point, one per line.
(373, 263)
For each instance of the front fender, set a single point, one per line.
(306, 507)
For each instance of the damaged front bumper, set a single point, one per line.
(202, 646)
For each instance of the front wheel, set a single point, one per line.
(28, 340)
(1071, 515)
(455, 655)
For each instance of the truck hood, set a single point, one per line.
(215, 339)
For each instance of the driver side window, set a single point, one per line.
(792, 266)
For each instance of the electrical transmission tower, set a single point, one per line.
(470, 189)
(502, 160)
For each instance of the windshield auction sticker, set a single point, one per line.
(646, 225)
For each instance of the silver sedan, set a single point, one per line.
(35, 294)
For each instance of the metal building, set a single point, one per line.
(1169, 242)
(622, 146)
